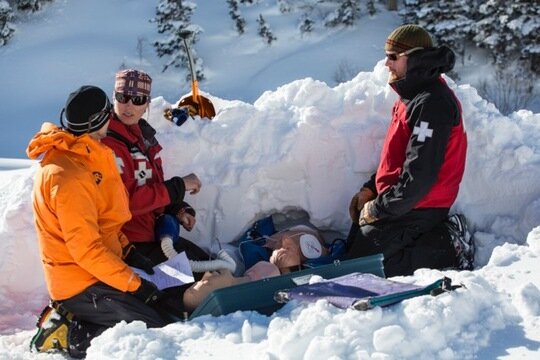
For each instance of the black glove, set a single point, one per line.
(148, 292)
(136, 259)
(176, 189)
(174, 208)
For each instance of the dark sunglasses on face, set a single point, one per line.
(394, 56)
(136, 100)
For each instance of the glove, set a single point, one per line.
(136, 259)
(176, 189)
(148, 292)
(180, 115)
(358, 201)
(367, 214)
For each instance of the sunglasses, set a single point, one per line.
(136, 100)
(394, 56)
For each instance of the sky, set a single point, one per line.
(308, 144)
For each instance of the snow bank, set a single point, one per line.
(307, 145)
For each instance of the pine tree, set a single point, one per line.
(239, 21)
(173, 19)
(29, 5)
(346, 14)
(450, 22)
(370, 6)
(285, 6)
(6, 27)
(306, 25)
(510, 30)
(264, 31)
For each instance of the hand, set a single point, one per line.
(186, 219)
(358, 201)
(192, 183)
(192, 110)
(134, 258)
(148, 292)
(284, 258)
(367, 214)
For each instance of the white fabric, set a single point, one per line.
(310, 246)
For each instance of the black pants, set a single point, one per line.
(100, 306)
(106, 306)
(418, 239)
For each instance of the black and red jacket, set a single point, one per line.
(138, 158)
(423, 155)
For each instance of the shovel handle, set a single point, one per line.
(194, 82)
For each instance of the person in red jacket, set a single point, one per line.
(157, 205)
(402, 210)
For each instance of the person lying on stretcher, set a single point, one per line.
(287, 249)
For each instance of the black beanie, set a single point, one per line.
(87, 110)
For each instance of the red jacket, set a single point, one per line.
(423, 155)
(139, 163)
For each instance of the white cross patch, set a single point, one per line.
(142, 173)
(423, 131)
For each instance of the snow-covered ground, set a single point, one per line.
(310, 145)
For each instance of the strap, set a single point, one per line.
(446, 286)
(131, 146)
(60, 309)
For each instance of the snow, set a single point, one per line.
(306, 143)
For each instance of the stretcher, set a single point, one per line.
(259, 295)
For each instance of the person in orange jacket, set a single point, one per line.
(80, 205)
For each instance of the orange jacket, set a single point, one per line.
(80, 205)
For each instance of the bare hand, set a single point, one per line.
(187, 220)
(284, 258)
(192, 183)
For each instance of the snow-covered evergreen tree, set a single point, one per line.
(285, 6)
(370, 6)
(511, 31)
(450, 22)
(173, 18)
(6, 27)
(306, 25)
(264, 30)
(234, 12)
(346, 14)
(29, 5)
